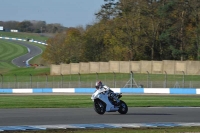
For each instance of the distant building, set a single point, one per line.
(12, 30)
(8, 30)
(1, 28)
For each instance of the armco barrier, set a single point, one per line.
(18, 39)
(186, 91)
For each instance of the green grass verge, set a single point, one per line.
(84, 101)
(27, 71)
(169, 77)
(9, 51)
(38, 59)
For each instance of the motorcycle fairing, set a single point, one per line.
(103, 96)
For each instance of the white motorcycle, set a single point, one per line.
(108, 101)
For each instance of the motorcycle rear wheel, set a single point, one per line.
(123, 109)
(99, 107)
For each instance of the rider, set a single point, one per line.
(99, 85)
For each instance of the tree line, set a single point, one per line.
(32, 26)
(132, 30)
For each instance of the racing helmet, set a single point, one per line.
(98, 84)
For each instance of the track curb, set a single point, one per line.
(96, 126)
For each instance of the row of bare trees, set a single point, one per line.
(133, 30)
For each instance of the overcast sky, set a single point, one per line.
(69, 13)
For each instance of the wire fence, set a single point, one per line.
(113, 80)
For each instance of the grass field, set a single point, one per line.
(84, 101)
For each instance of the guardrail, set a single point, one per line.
(186, 91)
(19, 39)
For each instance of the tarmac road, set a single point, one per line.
(33, 51)
(51, 116)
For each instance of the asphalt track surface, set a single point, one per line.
(33, 51)
(54, 116)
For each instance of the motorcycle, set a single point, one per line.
(108, 101)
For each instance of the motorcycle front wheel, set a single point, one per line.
(99, 107)
(123, 109)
